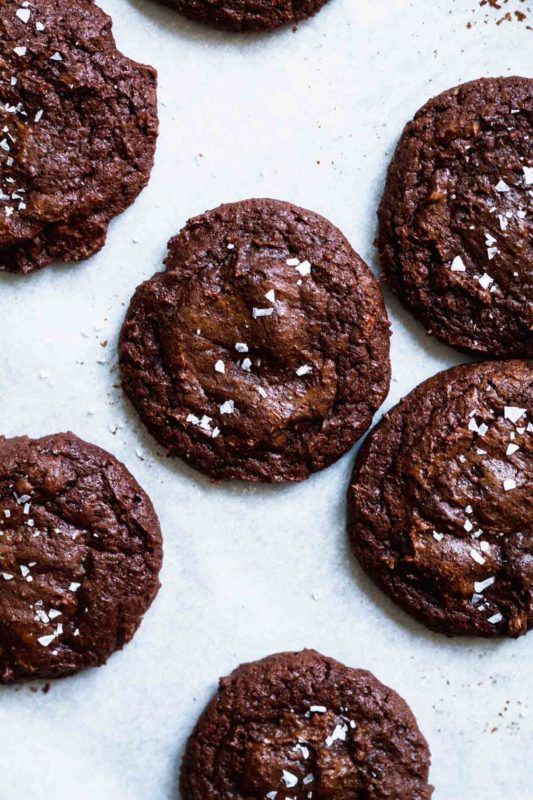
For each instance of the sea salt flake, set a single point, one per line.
(318, 709)
(39, 26)
(23, 14)
(508, 484)
(54, 613)
(513, 413)
(246, 364)
(468, 510)
(215, 433)
(511, 448)
(271, 295)
(192, 418)
(228, 407)
(39, 115)
(261, 391)
(458, 265)
(338, 734)
(495, 618)
(501, 186)
(482, 429)
(46, 641)
(289, 779)
(485, 280)
(20, 51)
(7, 576)
(478, 558)
(438, 536)
(528, 175)
(301, 748)
(304, 370)
(262, 312)
(480, 586)
(24, 570)
(220, 366)
(56, 57)
(241, 347)
(304, 268)
(308, 779)
(484, 546)
(468, 526)
(73, 587)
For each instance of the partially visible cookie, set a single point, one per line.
(263, 352)
(80, 553)
(440, 504)
(298, 726)
(247, 15)
(455, 224)
(79, 124)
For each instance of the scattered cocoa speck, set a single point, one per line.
(500, 11)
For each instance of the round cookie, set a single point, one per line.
(263, 352)
(247, 15)
(80, 553)
(79, 125)
(300, 725)
(455, 225)
(439, 505)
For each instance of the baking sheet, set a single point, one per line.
(310, 117)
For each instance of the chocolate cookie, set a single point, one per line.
(300, 725)
(263, 352)
(456, 232)
(440, 502)
(79, 125)
(247, 15)
(80, 552)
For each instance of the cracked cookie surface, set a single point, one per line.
(247, 15)
(80, 553)
(262, 352)
(455, 225)
(440, 506)
(79, 124)
(300, 726)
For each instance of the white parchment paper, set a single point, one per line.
(310, 117)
